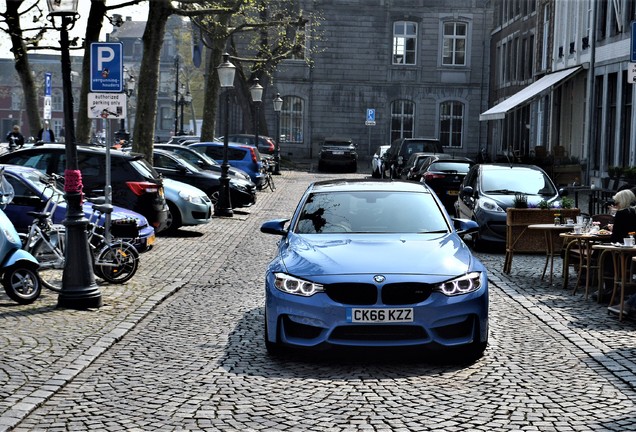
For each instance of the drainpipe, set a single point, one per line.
(589, 115)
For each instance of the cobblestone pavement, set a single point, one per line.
(180, 348)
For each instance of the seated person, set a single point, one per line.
(625, 218)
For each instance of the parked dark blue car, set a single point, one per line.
(240, 156)
(32, 191)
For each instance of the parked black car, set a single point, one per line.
(444, 174)
(135, 184)
(171, 165)
(413, 165)
(338, 153)
(402, 148)
(201, 160)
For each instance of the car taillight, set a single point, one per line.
(432, 176)
(253, 153)
(140, 188)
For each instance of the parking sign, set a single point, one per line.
(107, 67)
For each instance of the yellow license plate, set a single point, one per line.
(452, 192)
(150, 240)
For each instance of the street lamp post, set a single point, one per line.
(183, 101)
(278, 105)
(129, 89)
(226, 71)
(256, 90)
(79, 290)
(176, 95)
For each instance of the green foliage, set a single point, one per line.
(520, 201)
(543, 205)
(567, 203)
(615, 171)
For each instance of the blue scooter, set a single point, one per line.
(19, 269)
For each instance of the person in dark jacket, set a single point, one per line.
(46, 134)
(625, 217)
(15, 138)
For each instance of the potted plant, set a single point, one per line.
(520, 201)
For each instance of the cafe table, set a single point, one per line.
(622, 259)
(551, 235)
(581, 245)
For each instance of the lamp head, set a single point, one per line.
(256, 91)
(278, 103)
(62, 7)
(226, 71)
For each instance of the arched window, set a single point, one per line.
(291, 119)
(451, 123)
(404, 42)
(402, 114)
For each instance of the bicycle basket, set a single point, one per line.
(124, 228)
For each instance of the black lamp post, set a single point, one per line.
(176, 95)
(256, 91)
(129, 89)
(79, 290)
(226, 71)
(278, 105)
(183, 101)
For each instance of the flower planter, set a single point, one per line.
(525, 240)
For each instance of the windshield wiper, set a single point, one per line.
(503, 191)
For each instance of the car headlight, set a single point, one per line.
(490, 205)
(462, 285)
(291, 285)
(191, 198)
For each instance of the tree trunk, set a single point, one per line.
(22, 66)
(93, 28)
(148, 84)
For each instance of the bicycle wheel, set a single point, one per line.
(50, 256)
(270, 182)
(117, 262)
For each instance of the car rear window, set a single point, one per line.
(145, 169)
(421, 147)
(459, 167)
(370, 212)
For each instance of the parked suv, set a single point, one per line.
(135, 183)
(402, 148)
(338, 152)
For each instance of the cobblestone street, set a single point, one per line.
(180, 347)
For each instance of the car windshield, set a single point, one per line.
(517, 180)
(370, 212)
(458, 167)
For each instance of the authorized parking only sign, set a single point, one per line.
(107, 106)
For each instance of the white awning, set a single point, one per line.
(500, 110)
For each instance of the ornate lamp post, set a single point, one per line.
(129, 89)
(226, 71)
(278, 105)
(183, 101)
(79, 290)
(256, 90)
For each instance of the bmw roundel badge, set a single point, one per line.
(379, 278)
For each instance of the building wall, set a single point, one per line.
(354, 72)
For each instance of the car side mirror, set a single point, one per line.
(276, 226)
(465, 226)
(467, 191)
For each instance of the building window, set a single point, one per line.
(404, 42)
(167, 118)
(16, 100)
(454, 51)
(291, 120)
(451, 123)
(56, 101)
(402, 115)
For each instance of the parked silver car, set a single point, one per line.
(187, 205)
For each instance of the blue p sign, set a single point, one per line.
(107, 67)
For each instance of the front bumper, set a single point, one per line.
(312, 322)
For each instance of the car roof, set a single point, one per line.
(503, 166)
(450, 158)
(83, 147)
(358, 185)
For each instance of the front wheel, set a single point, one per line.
(270, 182)
(50, 256)
(22, 284)
(117, 262)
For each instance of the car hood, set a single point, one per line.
(333, 254)
(505, 201)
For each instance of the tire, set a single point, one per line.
(354, 167)
(22, 284)
(117, 262)
(51, 268)
(270, 182)
(173, 222)
(321, 166)
(274, 349)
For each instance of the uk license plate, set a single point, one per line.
(388, 315)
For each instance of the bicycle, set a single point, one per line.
(115, 261)
(268, 168)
